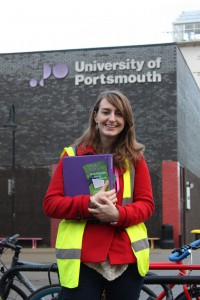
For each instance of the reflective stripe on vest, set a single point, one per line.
(70, 235)
(140, 246)
(137, 233)
(68, 245)
(68, 251)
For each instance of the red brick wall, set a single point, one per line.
(170, 197)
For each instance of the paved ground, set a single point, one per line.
(47, 255)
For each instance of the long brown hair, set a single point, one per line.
(126, 145)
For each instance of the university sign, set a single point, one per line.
(129, 64)
(118, 72)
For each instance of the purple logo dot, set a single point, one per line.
(33, 82)
(46, 71)
(60, 70)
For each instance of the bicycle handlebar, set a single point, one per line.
(195, 244)
(183, 252)
(9, 242)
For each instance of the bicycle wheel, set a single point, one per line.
(147, 294)
(193, 291)
(158, 289)
(15, 293)
(48, 292)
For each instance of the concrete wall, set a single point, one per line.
(188, 108)
(191, 53)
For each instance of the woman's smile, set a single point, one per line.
(111, 126)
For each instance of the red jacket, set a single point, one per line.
(102, 241)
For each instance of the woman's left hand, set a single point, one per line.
(105, 211)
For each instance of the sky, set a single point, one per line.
(44, 25)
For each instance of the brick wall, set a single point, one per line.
(50, 117)
(171, 197)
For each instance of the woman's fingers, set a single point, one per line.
(105, 186)
(104, 211)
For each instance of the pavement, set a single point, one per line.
(47, 255)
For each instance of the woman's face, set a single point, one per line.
(109, 119)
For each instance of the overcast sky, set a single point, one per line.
(41, 25)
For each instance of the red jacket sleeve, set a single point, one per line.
(56, 205)
(142, 206)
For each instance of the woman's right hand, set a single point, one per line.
(110, 195)
(103, 205)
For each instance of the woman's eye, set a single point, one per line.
(106, 112)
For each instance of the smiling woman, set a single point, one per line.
(102, 242)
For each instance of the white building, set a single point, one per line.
(186, 33)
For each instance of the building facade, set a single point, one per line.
(186, 33)
(53, 93)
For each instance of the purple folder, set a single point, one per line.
(75, 181)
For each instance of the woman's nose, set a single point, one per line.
(112, 117)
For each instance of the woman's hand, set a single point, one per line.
(111, 195)
(103, 205)
(105, 211)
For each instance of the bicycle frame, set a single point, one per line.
(34, 267)
(9, 274)
(8, 277)
(182, 272)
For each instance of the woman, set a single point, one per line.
(113, 254)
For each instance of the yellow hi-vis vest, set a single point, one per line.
(70, 236)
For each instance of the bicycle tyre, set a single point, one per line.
(194, 293)
(49, 292)
(15, 293)
(147, 294)
(158, 288)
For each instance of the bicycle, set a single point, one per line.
(165, 284)
(51, 292)
(190, 284)
(13, 283)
